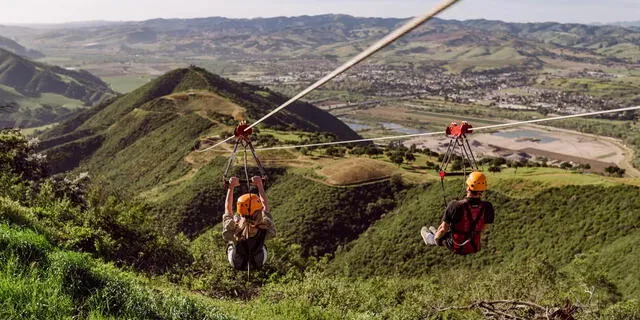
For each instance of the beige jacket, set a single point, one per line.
(236, 228)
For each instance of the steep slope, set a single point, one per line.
(174, 110)
(251, 100)
(41, 279)
(40, 94)
(575, 243)
(140, 141)
(556, 225)
(16, 48)
(32, 78)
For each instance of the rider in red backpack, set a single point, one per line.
(463, 220)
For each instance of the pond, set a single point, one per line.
(399, 128)
(355, 125)
(532, 135)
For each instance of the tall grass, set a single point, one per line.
(38, 281)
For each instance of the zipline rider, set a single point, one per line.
(247, 231)
(464, 220)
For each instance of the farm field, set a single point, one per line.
(125, 84)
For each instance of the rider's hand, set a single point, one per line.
(256, 181)
(234, 182)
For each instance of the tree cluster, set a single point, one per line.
(615, 171)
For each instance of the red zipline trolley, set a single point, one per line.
(458, 147)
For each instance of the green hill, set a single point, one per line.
(39, 280)
(181, 106)
(556, 225)
(40, 94)
(141, 140)
(153, 206)
(343, 252)
(16, 48)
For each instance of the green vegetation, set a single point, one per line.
(151, 128)
(622, 89)
(153, 207)
(348, 252)
(126, 84)
(38, 281)
(41, 94)
(40, 278)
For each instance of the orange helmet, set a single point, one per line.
(248, 204)
(477, 181)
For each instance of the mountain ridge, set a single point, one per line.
(206, 99)
(39, 94)
(16, 48)
(323, 35)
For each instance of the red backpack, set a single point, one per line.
(466, 233)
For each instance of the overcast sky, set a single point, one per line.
(54, 11)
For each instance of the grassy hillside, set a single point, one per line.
(196, 84)
(320, 218)
(343, 252)
(142, 142)
(556, 224)
(174, 110)
(55, 236)
(354, 252)
(40, 94)
(40, 281)
(14, 47)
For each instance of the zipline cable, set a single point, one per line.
(408, 27)
(510, 124)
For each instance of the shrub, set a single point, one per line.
(335, 152)
(628, 310)
(17, 155)
(615, 171)
(410, 157)
(566, 165)
(431, 165)
(397, 157)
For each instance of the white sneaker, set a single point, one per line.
(428, 235)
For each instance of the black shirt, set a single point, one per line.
(455, 211)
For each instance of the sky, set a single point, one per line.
(57, 11)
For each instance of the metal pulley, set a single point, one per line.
(458, 146)
(241, 136)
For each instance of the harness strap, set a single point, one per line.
(246, 144)
(249, 247)
(246, 173)
(230, 163)
(470, 235)
(466, 154)
(255, 157)
(445, 164)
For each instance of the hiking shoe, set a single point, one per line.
(428, 236)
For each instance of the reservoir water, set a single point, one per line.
(538, 136)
